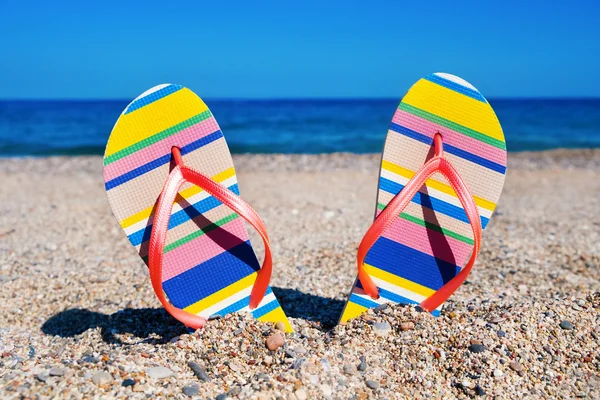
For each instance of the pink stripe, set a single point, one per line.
(451, 137)
(203, 248)
(160, 148)
(421, 239)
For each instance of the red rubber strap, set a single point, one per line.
(397, 205)
(160, 226)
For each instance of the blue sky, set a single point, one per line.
(258, 49)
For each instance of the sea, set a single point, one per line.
(68, 127)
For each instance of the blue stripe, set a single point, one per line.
(211, 276)
(457, 87)
(181, 216)
(152, 97)
(396, 298)
(430, 202)
(238, 305)
(134, 173)
(449, 148)
(410, 264)
(362, 301)
(267, 308)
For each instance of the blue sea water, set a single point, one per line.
(41, 128)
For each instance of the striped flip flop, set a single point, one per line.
(171, 184)
(442, 172)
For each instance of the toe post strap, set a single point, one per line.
(438, 163)
(179, 175)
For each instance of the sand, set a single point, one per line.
(78, 318)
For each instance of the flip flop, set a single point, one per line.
(442, 172)
(167, 148)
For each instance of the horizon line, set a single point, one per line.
(340, 98)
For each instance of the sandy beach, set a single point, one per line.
(79, 319)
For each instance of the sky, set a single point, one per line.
(259, 49)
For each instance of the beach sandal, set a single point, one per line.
(442, 172)
(171, 184)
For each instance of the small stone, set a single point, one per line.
(498, 373)
(262, 376)
(190, 390)
(55, 371)
(235, 367)
(268, 360)
(362, 367)
(325, 364)
(102, 378)
(477, 348)
(381, 307)
(348, 369)
(372, 384)
(479, 391)
(567, 325)
(237, 332)
(42, 376)
(280, 326)
(139, 388)
(501, 333)
(222, 396)
(298, 363)
(51, 247)
(407, 326)
(479, 322)
(326, 390)
(466, 383)
(198, 371)
(274, 341)
(159, 372)
(382, 328)
(516, 366)
(301, 394)
(128, 382)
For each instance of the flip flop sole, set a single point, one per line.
(430, 241)
(209, 265)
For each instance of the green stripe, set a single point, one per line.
(157, 137)
(432, 226)
(198, 233)
(452, 125)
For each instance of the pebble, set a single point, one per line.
(274, 341)
(382, 328)
(190, 390)
(516, 366)
(198, 371)
(42, 376)
(298, 363)
(128, 382)
(501, 333)
(407, 326)
(349, 369)
(159, 372)
(566, 325)
(477, 348)
(301, 394)
(102, 378)
(498, 373)
(222, 396)
(325, 364)
(280, 326)
(362, 367)
(373, 384)
(479, 391)
(55, 371)
(326, 390)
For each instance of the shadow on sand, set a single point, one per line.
(157, 326)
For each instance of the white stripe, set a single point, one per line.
(207, 312)
(456, 79)
(433, 192)
(177, 207)
(382, 300)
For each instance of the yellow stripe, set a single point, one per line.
(352, 310)
(186, 194)
(222, 294)
(437, 185)
(275, 316)
(400, 282)
(454, 106)
(154, 118)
